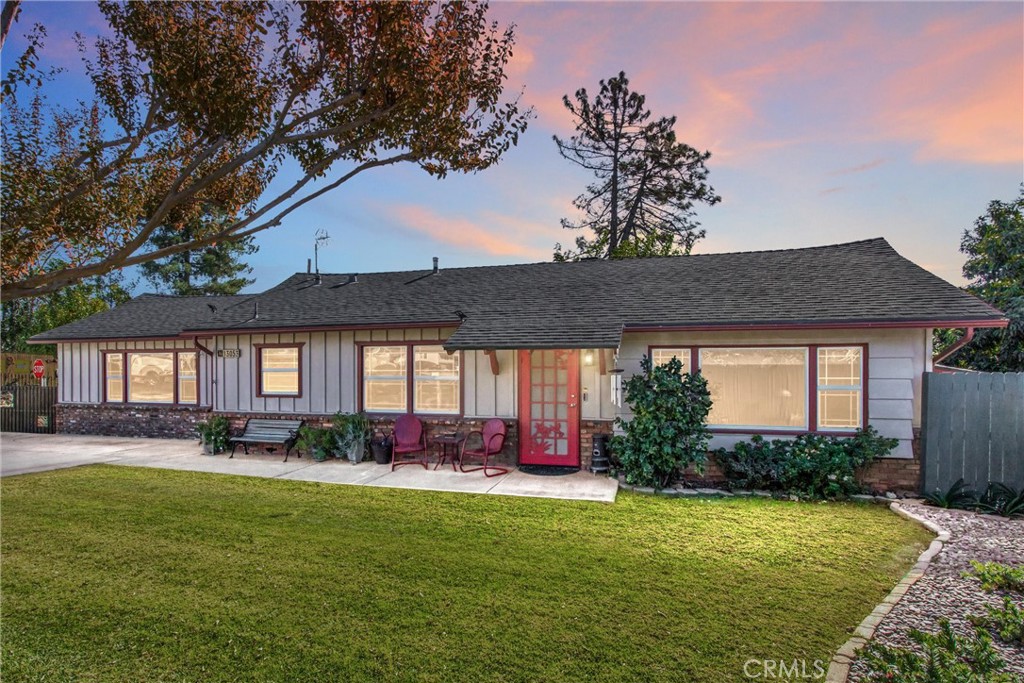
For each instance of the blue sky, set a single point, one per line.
(826, 122)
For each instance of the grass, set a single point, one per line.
(123, 574)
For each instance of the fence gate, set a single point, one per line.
(27, 408)
(973, 428)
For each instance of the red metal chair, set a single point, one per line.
(407, 438)
(492, 440)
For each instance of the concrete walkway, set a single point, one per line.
(26, 453)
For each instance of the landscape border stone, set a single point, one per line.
(839, 668)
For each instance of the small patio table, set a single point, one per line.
(443, 442)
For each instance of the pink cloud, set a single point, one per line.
(963, 100)
(496, 235)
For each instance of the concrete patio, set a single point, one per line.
(27, 453)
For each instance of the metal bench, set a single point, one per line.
(259, 431)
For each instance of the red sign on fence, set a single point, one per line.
(38, 368)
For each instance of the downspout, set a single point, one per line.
(213, 382)
(198, 345)
(962, 342)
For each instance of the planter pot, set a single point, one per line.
(355, 453)
(381, 452)
(208, 449)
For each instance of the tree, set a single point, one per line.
(647, 181)
(995, 273)
(23, 318)
(215, 269)
(198, 105)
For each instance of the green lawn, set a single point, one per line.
(124, 574)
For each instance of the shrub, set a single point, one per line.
(811, 465)
(215, 433)
(997, 577)
(668, 431)
(944, 658)
(1005, 621)
(1003, 500)
(958, 497)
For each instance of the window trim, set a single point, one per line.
(258, 350)
(409, 379)
(812, 384)
(104, 353)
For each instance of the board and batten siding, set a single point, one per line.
(897, 359)
(330, 362)
(80, 367)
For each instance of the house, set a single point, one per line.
(822, 339)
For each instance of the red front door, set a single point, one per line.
(549, 414)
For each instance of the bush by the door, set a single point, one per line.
(668, 430)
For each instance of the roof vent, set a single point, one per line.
(435, 264)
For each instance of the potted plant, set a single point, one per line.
(214, 434)
(316, 441)
(350, 432)
(380, 447)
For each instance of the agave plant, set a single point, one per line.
(958, 497)
(1000, 499)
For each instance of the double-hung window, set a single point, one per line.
(840, 388)
(660, 356)
(411, 378)
(279, 370)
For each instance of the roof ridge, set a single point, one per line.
(869, 240)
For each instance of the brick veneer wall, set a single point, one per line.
(588, 428)
(166, 422)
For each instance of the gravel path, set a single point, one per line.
(942, 591)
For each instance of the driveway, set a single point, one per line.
(27, 453)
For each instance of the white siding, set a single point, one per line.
(330, 366)
(80, 367)
(896, 361)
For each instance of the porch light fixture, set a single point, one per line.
(588, 358)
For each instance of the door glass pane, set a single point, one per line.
(764, 387)
(151, 377)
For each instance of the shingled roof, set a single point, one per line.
(588, 304)
(150, 316)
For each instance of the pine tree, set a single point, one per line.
(214, 270)
(647, 182)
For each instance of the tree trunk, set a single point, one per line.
(613, 228)
(10, 11)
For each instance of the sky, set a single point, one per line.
(826, 123)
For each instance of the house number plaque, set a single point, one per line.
(229, 353)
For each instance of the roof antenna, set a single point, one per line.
(324, 238)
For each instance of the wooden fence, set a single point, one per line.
(973, 428)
